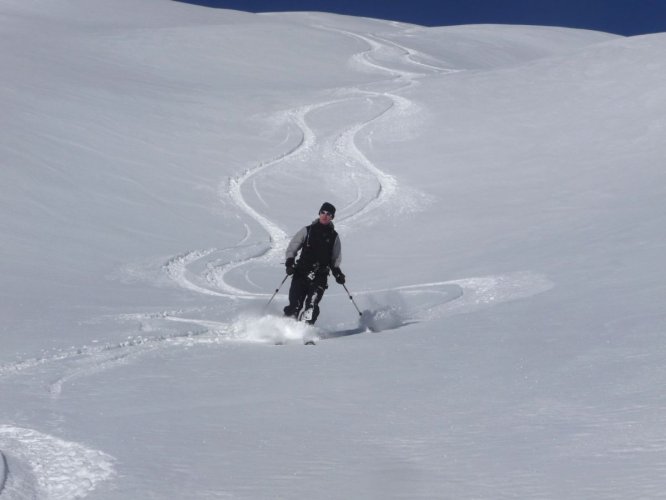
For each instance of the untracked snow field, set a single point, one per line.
(500, 200)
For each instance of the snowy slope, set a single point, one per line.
(500, 202)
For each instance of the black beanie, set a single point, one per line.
(329, 208)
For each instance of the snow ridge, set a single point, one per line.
(48, 467)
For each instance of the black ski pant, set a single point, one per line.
(306, 293)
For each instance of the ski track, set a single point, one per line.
(475, 293)
(80, 361)
(369, 198)
(35, 465)
(39, 466)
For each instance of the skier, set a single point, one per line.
(321, 252)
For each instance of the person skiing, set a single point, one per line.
(321, 252)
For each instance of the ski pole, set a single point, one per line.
(276, 291)
(352, 299)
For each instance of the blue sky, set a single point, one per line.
(624, 17)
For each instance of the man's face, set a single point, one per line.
(325, 217)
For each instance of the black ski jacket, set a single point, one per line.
(320, 248)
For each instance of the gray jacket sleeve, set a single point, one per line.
(336, 257)
(296, 243)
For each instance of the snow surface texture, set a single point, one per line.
(46, 467)
(500, 202)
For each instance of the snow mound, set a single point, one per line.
(49, 466)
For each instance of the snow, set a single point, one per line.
(59, 469)
(499, 194)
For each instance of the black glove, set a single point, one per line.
(289, 264)
(339, 277)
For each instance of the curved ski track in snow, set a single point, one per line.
(40, 466)
(211, 281)
(392, 59)
(81, 361)
(477, 293)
